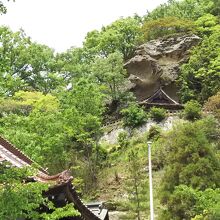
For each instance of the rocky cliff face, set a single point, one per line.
(111, 137)
(157, 63)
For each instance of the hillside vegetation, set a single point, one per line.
(53, 107)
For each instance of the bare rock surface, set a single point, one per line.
(112, 136)
(157, 63)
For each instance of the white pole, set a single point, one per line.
(150, 182)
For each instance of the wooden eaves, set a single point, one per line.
(60, 183)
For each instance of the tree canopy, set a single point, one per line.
(55, 107)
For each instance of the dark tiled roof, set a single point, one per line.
(62, 183)
(9, 152)
(58, 182)
(161, 99)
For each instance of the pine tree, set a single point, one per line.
(137, 186)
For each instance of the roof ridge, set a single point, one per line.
(168, 95)
(17, 152)
(163, 92)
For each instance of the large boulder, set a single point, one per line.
(157, 63)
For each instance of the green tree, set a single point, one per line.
(188, 9)
(157, 114)
(73, 63)
(26, 65)
(13, 47)
(110, 72)
(213, 105)
(37, 128)
(83, 108)
(123, 139)
(122, 35)
(186, 203)
(133, 115)
(206, 24)
(41, 74)
(137, 186)
(191, 160)
(52, 130)
(166, 26)
(154, 132)
(192, 110)
(25, 200)
(200, 77)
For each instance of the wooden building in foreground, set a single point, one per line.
(61, 190)
(162, 100)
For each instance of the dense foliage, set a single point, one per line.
(21, 199)
(192, 110)
(188, 9)
(110, 73)
(190, 157)
(53, 107)
(133, 115)
(200, 76)
(213, 105)
(136, 186)
(161, 27)
(122, 35)
(157, 114)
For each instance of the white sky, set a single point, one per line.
(61, 24)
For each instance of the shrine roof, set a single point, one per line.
(11, 154)
(161, 99)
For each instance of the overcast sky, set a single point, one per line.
(61, 24)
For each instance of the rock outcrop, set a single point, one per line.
(157, 63)
(111, 137)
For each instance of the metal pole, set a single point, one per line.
(150, 182)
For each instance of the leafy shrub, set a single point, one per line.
(133, 116)
(101, 155)
(187, 202)
(206, 23)
(154, 132)
(213, 105)
(157, 114)
(138, 139)
(192, 110)
(182, 202)
(114, 153)
(123, 139)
